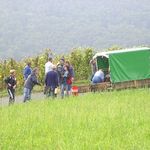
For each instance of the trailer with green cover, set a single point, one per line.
(126, 67)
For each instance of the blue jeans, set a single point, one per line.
(27, 94)
(63, 88)
(69, 87)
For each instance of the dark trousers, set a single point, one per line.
(45, 89)
(11, 93)
(51, 92)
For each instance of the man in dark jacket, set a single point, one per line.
(11, 85)
(30, 83)
(51, 81)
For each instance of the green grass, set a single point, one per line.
(101, 121)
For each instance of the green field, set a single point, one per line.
(118, 120)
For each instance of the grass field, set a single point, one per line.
(102, 121)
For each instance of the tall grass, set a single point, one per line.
(101, 121)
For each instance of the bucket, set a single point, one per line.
(74, 91)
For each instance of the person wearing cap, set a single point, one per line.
(49, 65)
(51, 81)
(27, 71)
(11, 85)
(30, 83)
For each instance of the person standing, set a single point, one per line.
(30, 83)
(27, 71)
(70, 77)
(48, 65)
(64, 84)
(60, 70)
(11, 86)
(93, 66)
(51, 81)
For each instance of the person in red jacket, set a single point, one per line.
(70, 78)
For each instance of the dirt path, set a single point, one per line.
(19, 99)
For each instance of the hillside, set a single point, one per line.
(27, 27)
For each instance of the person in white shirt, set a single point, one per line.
(49, 65)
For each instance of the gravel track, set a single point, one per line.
(19, 99)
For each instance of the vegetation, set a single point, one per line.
(108, 120)
(79, 59)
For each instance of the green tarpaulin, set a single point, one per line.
(129, 65)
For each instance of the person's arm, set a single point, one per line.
(71, 72)
(7, 82)
(15, 84)
(35, 81)
(30, 71)
(25, 72)
(92, 77)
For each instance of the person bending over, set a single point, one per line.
(98, 77)
(30, 83)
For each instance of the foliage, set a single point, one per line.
(116, 120)
(115, 47)
(79, 59)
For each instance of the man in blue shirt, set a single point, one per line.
(98, 77)
(30, 83)
(27, 71)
